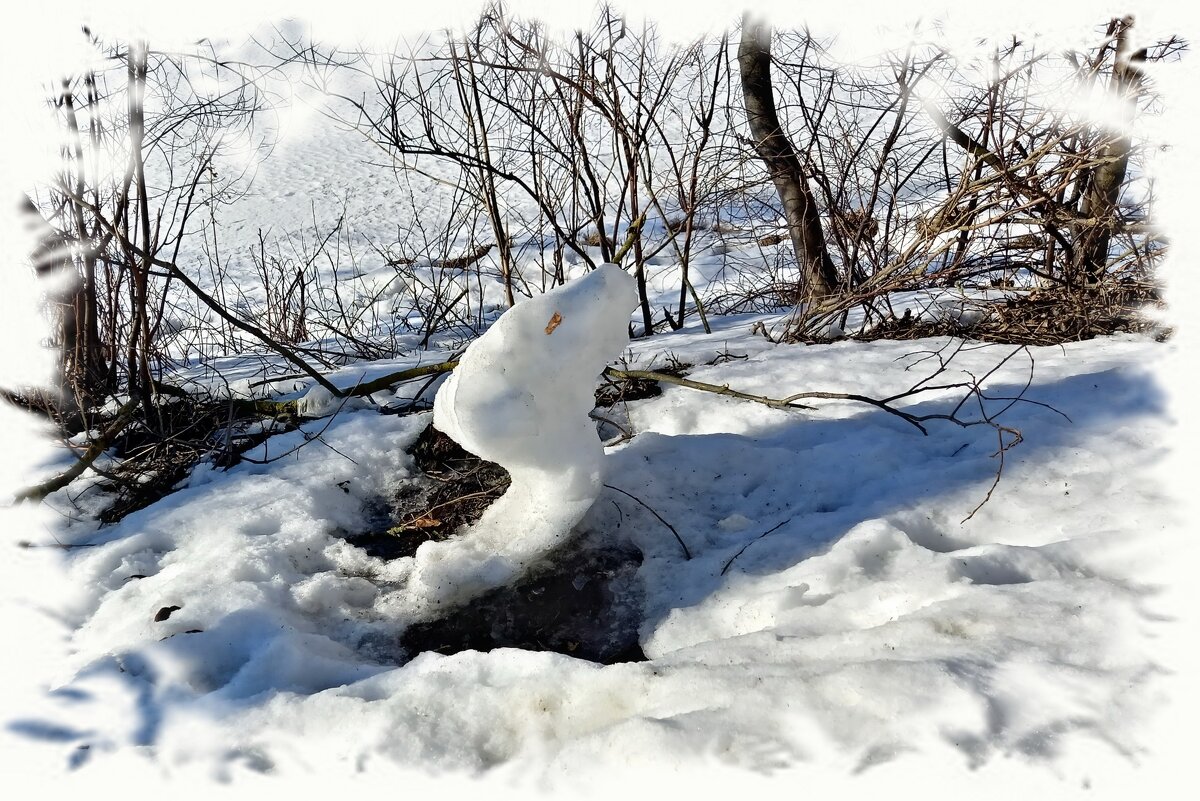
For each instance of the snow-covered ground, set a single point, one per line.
(870, 624)
(839, 616)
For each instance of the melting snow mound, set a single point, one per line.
(520, 397)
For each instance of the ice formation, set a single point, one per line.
(520, 397)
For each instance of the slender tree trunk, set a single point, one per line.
(634, 235)
(51, 259)
(85, 363)
(140, 383)
(1099, 206)
(799, 204)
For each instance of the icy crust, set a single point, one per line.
(520, 397)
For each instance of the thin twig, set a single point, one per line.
(771, 530)
(686, 553)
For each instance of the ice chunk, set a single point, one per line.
(520, 397)
(735, 522)
(320, 402)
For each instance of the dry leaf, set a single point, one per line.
(554, 322)
(425, 521)
(165, 613)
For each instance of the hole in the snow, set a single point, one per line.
(991, 569)
(452, 488)
(584, 601)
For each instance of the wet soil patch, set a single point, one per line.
(452, 489)
(584, 601)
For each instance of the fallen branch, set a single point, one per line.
(383, 382)
(269, 408)
(789, 402)
(95, 448)
(973, 389)
(718, 389)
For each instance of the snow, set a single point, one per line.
(872, 627)
(520, 397)
(320, 402)
(839, 617)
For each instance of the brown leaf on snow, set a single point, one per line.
(165, 613)
(554, 322)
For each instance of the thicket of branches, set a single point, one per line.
(819, 186)
(922, 170)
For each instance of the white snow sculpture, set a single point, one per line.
(520, 397)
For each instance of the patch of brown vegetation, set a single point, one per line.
(594, 239)
(1044, 316)
(452, 489)
(1056, 315)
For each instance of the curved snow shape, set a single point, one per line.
(520, 397)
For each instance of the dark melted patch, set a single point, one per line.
(582, 601)
(452, 489)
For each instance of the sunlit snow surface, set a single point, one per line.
(871, 625)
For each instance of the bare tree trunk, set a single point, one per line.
(773, 147)
(140, 382)
(51, 259)
(87, 362)
(1105, 179)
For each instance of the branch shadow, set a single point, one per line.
(820, 478)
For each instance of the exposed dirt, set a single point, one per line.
(453, 488)
(583, 599)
